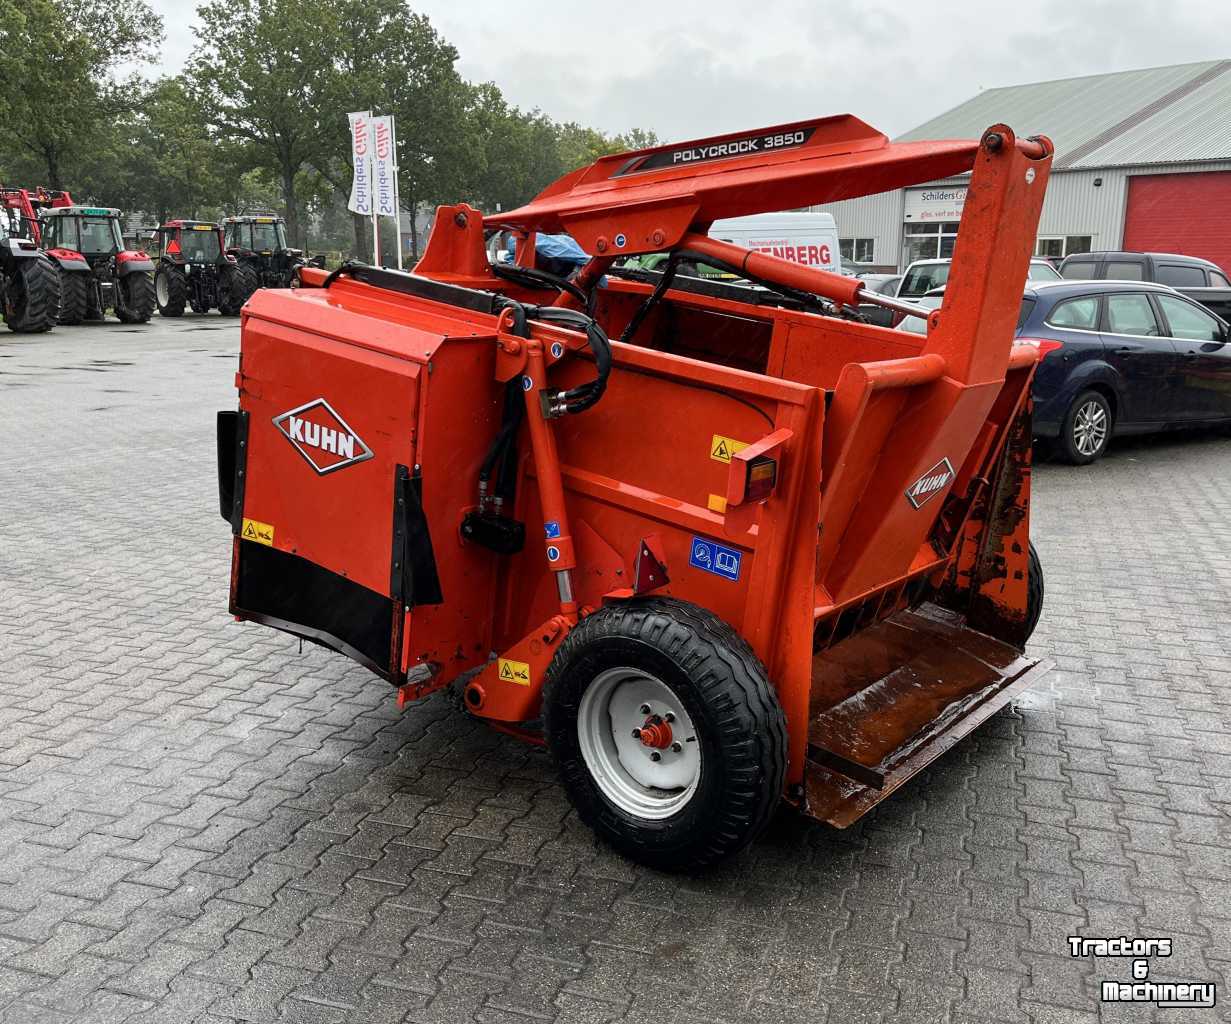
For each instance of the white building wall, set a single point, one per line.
(1074, 205)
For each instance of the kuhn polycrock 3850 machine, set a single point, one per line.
(752, 550)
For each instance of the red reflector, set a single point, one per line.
(762, 476)
(174, 247)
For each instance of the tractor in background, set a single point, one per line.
(258, 242)
(29, 284)
(195, 271)
(97, 271)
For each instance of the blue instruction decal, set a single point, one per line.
(715, 558)
(552, 529)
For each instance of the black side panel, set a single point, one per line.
(293, 594)
(232, 466)
(413, 576)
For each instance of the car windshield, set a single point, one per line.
(100, 234)
(200, 245)
(1043, 272)
(923, 278)
(267, 236)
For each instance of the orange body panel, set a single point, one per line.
(900, 465)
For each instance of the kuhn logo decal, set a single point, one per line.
(322, 437)
(931, 483)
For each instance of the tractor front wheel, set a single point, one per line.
(32, 299)
(667, 735)
(170, 291)
(136, 298)
(74, 296)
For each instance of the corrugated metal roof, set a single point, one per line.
(1106, 120)
(1194, 128)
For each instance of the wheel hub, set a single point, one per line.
(654, 733)
(639, 743)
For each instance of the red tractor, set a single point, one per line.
(97, 273)
(194, 269)
(29, 284)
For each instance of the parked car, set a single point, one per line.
(1119, 358)
(924, 275)
(1197, 278)
(882, 284)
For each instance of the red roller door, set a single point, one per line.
(1184, 213)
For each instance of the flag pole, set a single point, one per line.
(397, 195)
(372, 190)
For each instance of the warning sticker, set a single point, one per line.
(717, 503)
(722, 448)
(513, 671)
(262, 533)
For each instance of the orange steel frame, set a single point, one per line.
(853, 414)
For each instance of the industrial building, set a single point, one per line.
(1143, 162)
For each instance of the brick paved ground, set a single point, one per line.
(199, 822)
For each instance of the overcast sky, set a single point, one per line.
(690, 68)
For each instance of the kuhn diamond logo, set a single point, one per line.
(322, 437)
(930, 484)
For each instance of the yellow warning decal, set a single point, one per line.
(717, 503)
(262, 533)
(513, 671)
(722, 448)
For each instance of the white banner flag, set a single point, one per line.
(384, 167)
(361, 152)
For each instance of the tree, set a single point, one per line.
(391, 61)
(261, 69)
(176, 168)
(60, 102)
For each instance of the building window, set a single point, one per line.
(1058, 246)
(929, 241)
(857, 250)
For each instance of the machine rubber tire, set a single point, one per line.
(232, 290)
(700, 665)
(1081, 441)
(1034, 591)
(251, 281)
(170, 291)
(74, 296)
(33, 303)
(138, 291)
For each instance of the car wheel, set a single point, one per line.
(1087, 428)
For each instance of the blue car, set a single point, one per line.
(1120, 357)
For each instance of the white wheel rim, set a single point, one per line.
(164, 290)
(623, 766)
(1090, 427)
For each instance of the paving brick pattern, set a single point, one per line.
(201, 822)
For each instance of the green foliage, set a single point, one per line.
(257, 121)
(61, 101)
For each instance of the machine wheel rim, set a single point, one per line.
(162, 289)
(1090, 427)
(621, 765)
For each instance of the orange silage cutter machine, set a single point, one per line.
(716, 544)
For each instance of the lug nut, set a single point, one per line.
(645, 709)
(677, 746)
(669, 717)
(656, 756)
(636, 734)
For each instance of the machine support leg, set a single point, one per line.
(558, 539)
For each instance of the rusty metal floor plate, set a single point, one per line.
(892, 698)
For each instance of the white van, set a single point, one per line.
(807, 238)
